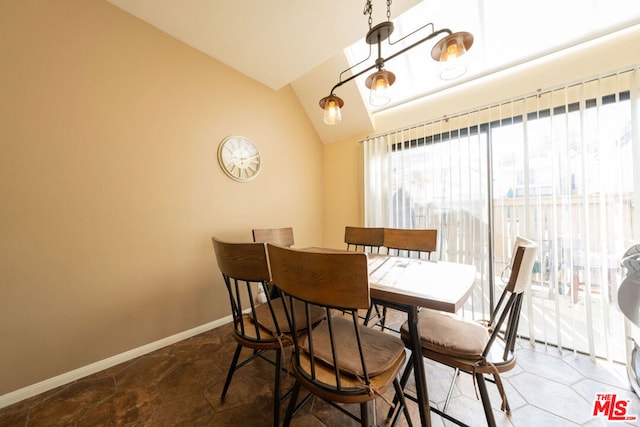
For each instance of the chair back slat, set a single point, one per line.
(522, 265)
(246, 261)
(361, 238)
(236, 302)
(411, 240)
(336, 279)
(309, 326)
(280, 236)
(334, 354)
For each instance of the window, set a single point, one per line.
(556, 167)
(551, 26)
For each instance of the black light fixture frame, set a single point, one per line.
(382, 32)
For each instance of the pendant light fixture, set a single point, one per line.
(332, 105)
(448, 50)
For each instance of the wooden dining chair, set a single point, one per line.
(478, 348)
(281, 236)
(365, 239)
(340, 360)
(403, 242)
(257, 326)
(410, 241)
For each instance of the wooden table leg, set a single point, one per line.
(418, 368)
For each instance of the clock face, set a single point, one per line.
(239, 158)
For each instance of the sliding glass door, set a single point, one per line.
(556, 167)
(563, 175)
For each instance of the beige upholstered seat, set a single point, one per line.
(340, 360)
(450, 334)
(474, 347)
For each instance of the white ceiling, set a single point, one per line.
(303, 42)
(275, 42)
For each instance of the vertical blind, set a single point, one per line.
(555, 166)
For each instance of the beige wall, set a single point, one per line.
(110, 188)
(343, 183)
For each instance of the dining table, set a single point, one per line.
(407, 284)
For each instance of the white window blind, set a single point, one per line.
(556, 166)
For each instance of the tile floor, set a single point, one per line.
(181, 384)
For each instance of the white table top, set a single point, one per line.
(431, 284)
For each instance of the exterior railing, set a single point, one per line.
(573, 297)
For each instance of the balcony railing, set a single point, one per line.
(572, 302)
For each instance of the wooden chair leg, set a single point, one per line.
(232, 369)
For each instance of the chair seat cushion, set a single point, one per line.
(264, 317)
(449, 334)
(381, 350)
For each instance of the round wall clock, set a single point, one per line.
(239, 158)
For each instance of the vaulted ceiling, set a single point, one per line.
(302, 43)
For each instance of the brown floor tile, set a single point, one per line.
(14, 419)
(246, 415)
(180, 385)
(69, 404)
(145, 370)
(129, 407)
(192, 410)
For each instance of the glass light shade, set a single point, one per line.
(453, 70)
(448, 52)
(379, 84)
(332, 112)
(453, 49)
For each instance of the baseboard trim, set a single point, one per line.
(62, 379)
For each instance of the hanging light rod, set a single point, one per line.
(448, 48)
